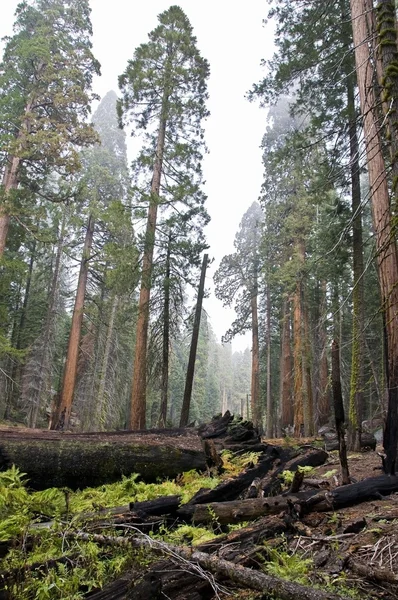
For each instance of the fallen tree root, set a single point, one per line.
(249, 578)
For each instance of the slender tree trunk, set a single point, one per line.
(186, 403)
(358, 322)
(138, 393)
(166, 340)
(287, 413)
(269, 397)
(255, 380)
(70, 369)
(387, 257)
(323, 391)
(298, 362)
(105, 363)
(339, 412)
(307, 378)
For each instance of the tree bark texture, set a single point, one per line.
(339, 411)
(165, 341)
(381, 213)
(59, 459)
(298, 402)
(358, 321)
(186, 403)
(286, 401)
(269, 387)
(138, 393)
(388, 52)
(322, 399)
(61, 420)
(10, 182)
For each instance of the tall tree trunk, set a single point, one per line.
(387, 256)
(388, 50)
(186, 403)
(10, 182)
(286, 402)
(138, 393)
(298, 402)
(307, 377)
(358, 321)
(255, 381)
(61, 421)
(323, 388)
(166, 340)
(339, 412)
(105, 364)
(10, 178)
(269, 396)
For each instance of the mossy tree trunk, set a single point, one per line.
(387, 256)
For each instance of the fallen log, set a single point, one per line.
(56, 459)
(354, 493)
(301, 502)
(310, 458)
(239, 510)
(247, 578)
(232, 488)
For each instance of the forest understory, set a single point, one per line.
(271, 521)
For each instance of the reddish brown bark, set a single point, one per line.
(298, 363)
(387, 257)
(138, 393)
(10, 182)
(286, 402)
(61, 419)
(166, 340)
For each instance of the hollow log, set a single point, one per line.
(56, 459)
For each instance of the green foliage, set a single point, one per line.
(233, 465)
(280, 563)
(287, 476)
(186, 534)
(45, 79)
(87, 565)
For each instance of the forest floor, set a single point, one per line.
(355, 549)
(342, 553)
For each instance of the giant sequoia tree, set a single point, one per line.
(164, 94)
(387, 255)
(45, 81)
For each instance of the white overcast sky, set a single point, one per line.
(231, 35)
